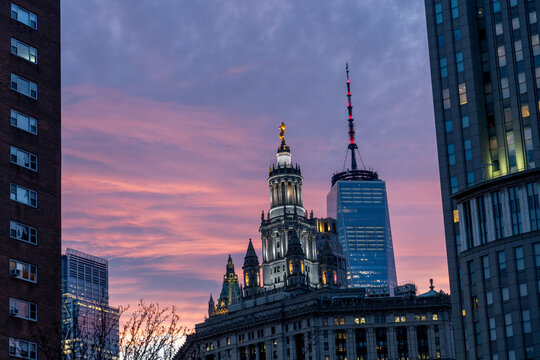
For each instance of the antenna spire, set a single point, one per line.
(352, 145)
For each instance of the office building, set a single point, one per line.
(89, 324)
(358, 202)
(485, 70)
(30, 299)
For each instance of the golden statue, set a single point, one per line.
(282, 132)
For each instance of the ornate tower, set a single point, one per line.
(252, 272)
(230, 291)
(211, 306)
(295, 262)
(286, 214)
(329, 267)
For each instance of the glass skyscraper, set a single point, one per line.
(485, 71)
(358, 202)
(360, 208)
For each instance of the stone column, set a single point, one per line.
(431, 342)
(371, 343)
(391, 342)
(412, 342)
(351, 344)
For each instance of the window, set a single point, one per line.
(359, 320)
(455, 10)
(23, 158)
(534, 206)
(537, 255)
(446, 98)
(501, 53)
(520, 261)
(23, 232)
(489, 298)
(535, 41)
(440, 40)
(525, 107)
(438, 13)
(498, 29)
(23, 86)
(515, 211)
(470, 178)
(23, 195)
(24, 271)
(457, 35)
(477, 333)
(515, 23)
(22, 309)
(508, 325)
(501, 257)
(505, 294)
(482, 221)
(498, 216)
(472, 278)
(448, 125)
(23, 50)
(513, 3)
(519, 50)
(485, 267)
(24, 16)
(523, 291)
(505, 89)
(532, 17)
(22, 349)
(435, 316)
(496, 6)
(454, 184)
(23, 122)
(462, 94)
(526, 318)
(451, 155)
(459, 62)
(465, 121)
(527, 134)
(468, 149)
(444, 68)
(492, 329)
(511, 147)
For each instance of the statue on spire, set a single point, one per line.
(282, 132)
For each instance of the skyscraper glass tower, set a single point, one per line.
(485, 71)
(358, 202)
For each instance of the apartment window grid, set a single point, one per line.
(23, 158)
(24, 16)
(24, 122)
(22, 349)
(23, 195)
(24, 86)
(23, 309)
(23, 232)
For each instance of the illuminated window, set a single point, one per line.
(23, 122)
(462, 94)
(24, 86)
(24, 16)
(23, 195)
(22, 349)
(23, 158)
(525, 110)
(456, 216)
(435, 316)
(23, 232)
(23, 50)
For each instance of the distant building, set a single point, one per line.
(358, 202)
(30, 165)
(485, 72)
(90, 325)
(302, 311)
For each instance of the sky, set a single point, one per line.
(171, 111)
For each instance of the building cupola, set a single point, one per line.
(252, 272)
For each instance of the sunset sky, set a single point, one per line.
(170, 120)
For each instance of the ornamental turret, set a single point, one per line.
(286, 216)
(329, 267)
(295, 262)
(252, 272)
(211, 306)
(230, 291)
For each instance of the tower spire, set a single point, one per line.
(352, 145)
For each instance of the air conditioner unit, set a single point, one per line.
(15, 272)
(13, 311)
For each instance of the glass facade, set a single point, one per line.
(361, 211)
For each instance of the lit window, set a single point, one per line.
(451, 155)
(444, 68)
(23, 158)
(23, 50)
(446, 98)
(23, 122)
(23, 271)
(498, 28)
(23, 195)
(456, 216)
(525, 110)
(438, 13)
(22, 309)
(532, 17)
(459, 62)
(22, 349)
(515, 23)
(23, 232)
(24, 86)
(462, 94)
(24, 16)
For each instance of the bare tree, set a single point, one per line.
(151, 332)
